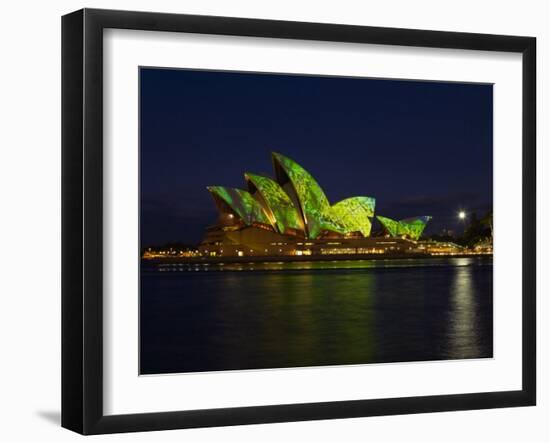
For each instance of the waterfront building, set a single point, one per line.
(289, 214)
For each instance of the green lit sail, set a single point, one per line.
(354, 214)
(391, 226)
(242, 203)
(314, 205)
(276, 203)
(415, 226)
(295, 203)
(409, 227)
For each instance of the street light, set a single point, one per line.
(462, 215)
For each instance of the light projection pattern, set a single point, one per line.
(296, 202)
(314, 205)
(391, 226)
(409, 227)
(354, 214)
(416, 225)
(276, 203)
(242, 203)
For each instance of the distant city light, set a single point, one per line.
(461, 215)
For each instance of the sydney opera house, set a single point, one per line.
(289, 214)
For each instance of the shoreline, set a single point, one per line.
(307, 258)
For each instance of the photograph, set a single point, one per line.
(292, 220)
(274, 222)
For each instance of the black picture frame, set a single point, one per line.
(82, 219)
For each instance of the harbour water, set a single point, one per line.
(275, 315)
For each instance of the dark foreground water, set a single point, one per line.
(248, 316)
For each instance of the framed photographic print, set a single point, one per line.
(269, 221)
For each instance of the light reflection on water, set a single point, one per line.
(317, 313)
(462, 318)
(319, 265)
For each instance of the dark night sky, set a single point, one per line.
(419, 148)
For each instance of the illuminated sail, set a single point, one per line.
(295, 204)
(241, 202)
(410, 227)
(307, 195)
(355, 214)
(278, 206)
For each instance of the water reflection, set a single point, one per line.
(467, 326)
(315, 265)
(462, 315)
(293, 320)
(349, 313)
